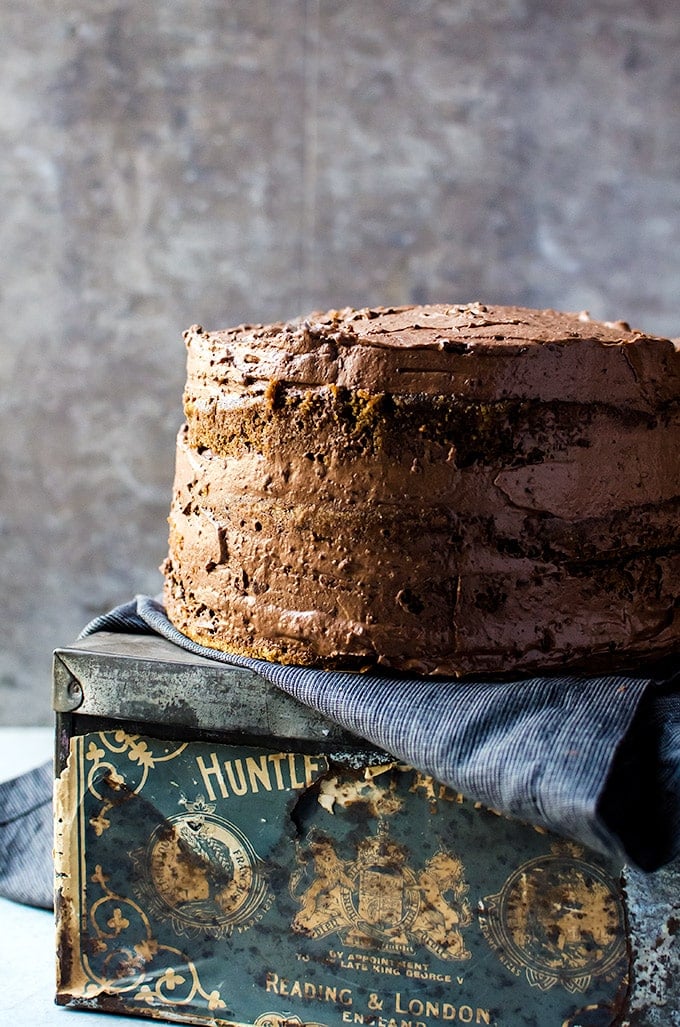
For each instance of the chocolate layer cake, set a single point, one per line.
(444, 490)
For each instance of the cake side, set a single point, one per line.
(443, 532)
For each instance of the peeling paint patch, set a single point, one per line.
(361, 789)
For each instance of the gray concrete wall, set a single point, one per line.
(227, 160)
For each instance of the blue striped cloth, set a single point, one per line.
(593, 759)
(26, 837)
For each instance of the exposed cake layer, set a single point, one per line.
(418, 516)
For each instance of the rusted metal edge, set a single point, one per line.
(148, 680)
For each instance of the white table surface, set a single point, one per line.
(27, 947)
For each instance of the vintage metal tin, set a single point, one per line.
(226, 856)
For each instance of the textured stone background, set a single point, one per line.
(227, 160)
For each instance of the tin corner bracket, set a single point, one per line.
(67, 691)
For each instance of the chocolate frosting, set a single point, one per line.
(446, 489)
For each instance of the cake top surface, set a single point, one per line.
(438, 326)
(444, 348)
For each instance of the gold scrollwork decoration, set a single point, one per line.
(104, 778)
(122, 956)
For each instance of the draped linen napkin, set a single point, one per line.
(595, 759)
(26, 837)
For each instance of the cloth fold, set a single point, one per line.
(595, 759)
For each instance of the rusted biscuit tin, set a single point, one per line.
(226, 856)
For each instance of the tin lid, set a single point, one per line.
(147, 680)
